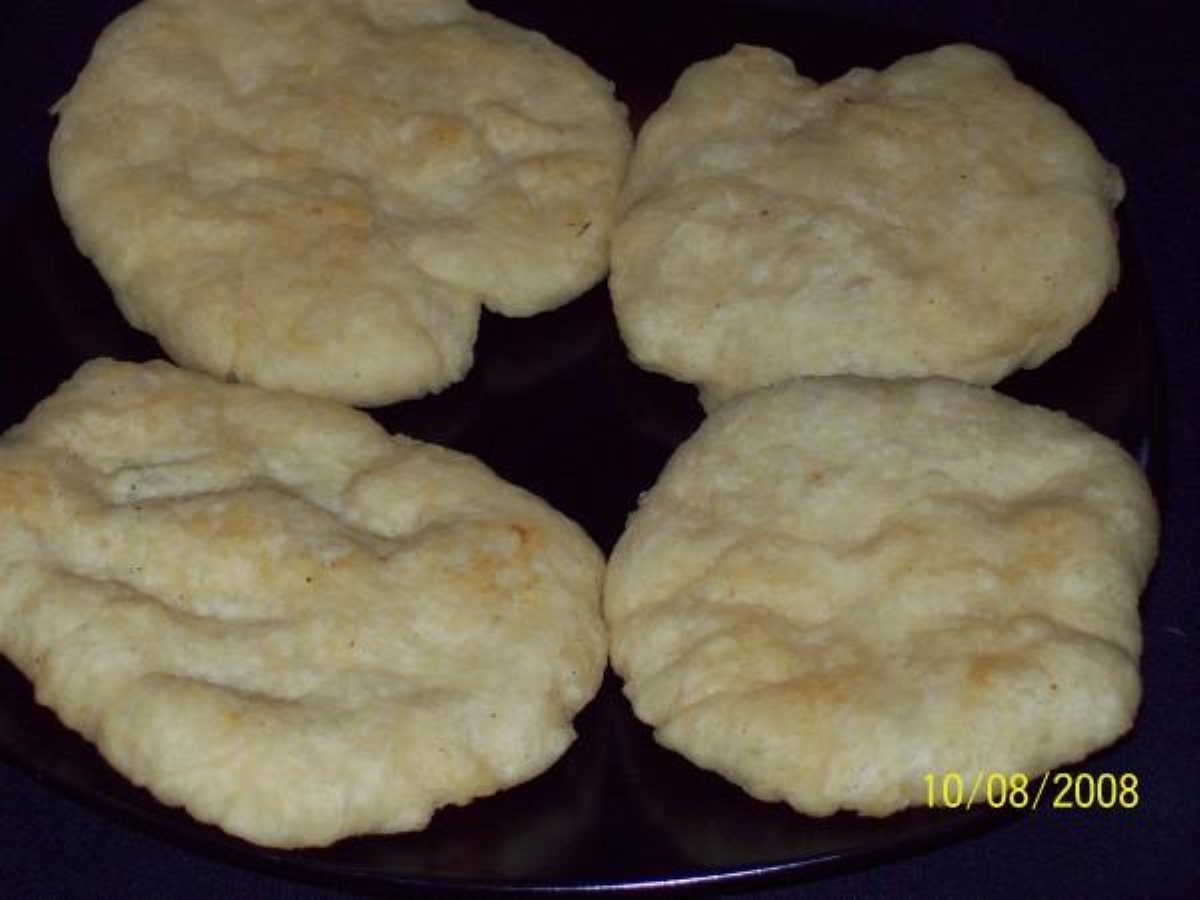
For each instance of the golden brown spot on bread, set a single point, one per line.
(987, 666)
(524, 532)
(1048, 533)
(23, 488)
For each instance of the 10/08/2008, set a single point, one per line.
(1017, 790)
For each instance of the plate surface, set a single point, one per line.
(554, 405)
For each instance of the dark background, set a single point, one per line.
(1127, 72)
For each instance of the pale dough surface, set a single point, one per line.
(320, 194)
(840, 585)
(934, 218)
(263, 608)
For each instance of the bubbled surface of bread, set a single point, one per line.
(264, 609)
(839, 585)
(934, 218)
(319, 195)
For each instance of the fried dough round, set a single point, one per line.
(264, 609)
(319, 195)
(935, 218)
(840, 585)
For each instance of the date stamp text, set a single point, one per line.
(1016, 790)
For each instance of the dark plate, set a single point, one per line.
(554, 405)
